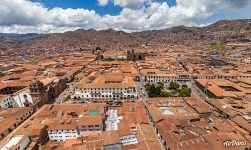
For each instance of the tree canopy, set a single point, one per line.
(159, 90)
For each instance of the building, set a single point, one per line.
(155, 75)
(65, 129)
(37, 93)
(10, 87)
(107, 140)
(220, 88)
(71, 121)
(191, 123)
(106, 88)
(45, 91)
(10, 118)
(6, 101)
(17, 142)
(135, 56)
(133, 127)
(236, 110)
(36, 130)
(21, 98)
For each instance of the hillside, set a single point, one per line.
(221, 31)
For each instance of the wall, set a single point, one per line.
(19, 99)
(63, 135)
(106, 93)
(6, 102)
(25, 143)
(128, 139)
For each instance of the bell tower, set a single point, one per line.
(38, 92)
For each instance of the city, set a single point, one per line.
(178, 88)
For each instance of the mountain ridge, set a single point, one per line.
(221, 31)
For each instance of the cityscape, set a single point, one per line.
(183, 85)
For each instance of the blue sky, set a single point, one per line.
(90, 5)
(51, 16)
(86, 4)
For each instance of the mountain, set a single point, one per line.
(221, 31)
(18, 38)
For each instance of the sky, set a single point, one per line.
(54, 16)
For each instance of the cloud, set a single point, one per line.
(102, 2)
(238, 3)
(22, 16)
(133, 4)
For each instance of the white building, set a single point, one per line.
(160, 78)
(106, 88)
(63, 135)
(155, 75)
(17, 142)
(6, 101)
(62, 130)
(21, 98)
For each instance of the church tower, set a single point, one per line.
(38, 92)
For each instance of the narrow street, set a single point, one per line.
(151, 124)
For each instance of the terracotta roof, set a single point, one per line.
(242, 122)
(73, 123)
(6, 123)
(110, 137)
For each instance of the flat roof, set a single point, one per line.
(12, 142)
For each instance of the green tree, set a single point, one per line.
(185, 92)
(158, 90)
(152, 91)
(174, 86)
(184, 86)
(147, 86)
(165, 94)
(160, 84)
